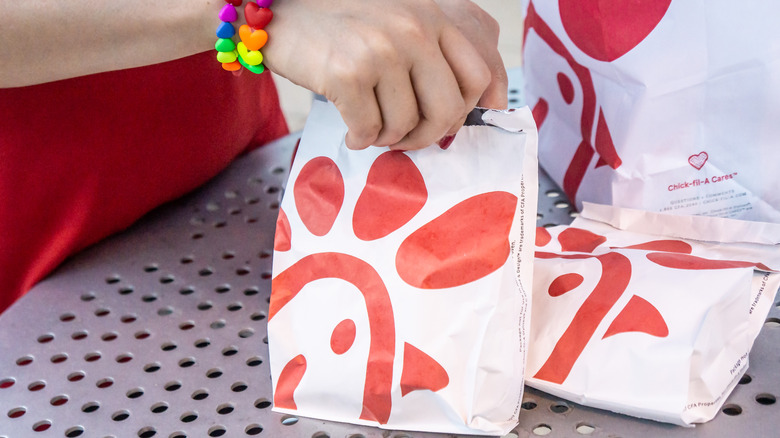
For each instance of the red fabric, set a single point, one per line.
(83, 158)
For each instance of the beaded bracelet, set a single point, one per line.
(252, 37)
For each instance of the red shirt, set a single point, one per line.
(85, 157)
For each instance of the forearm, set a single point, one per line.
(48, 40)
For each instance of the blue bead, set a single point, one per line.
(225, 30)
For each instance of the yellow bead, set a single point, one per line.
(251, 57)
(227, 57)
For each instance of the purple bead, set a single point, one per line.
(225, 30)
(228, 13)
(265, 3)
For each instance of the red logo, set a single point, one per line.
(464, 243)
(698, 160)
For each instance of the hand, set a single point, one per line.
(401, 73)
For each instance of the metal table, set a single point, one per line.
(160, 331)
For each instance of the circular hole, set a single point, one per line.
(58, 400)
(127, 290)
(168, 346)
(165, 311)
(252, 200)
(229, 351)
(217, 430)
(262, 403)
(59, 358)
(214, 373)
(247, 332)
(218, 324)
(172, 386)
(239, 387)
(152, 367)
(113, 279)
(259, 316)
(74, 431)
(225, 408)
(552, 193)
(233, 307)
(234, 211)
(562, 204)
(196, 236)
(188, 325)
(79, 335)
(289, 420)
(772, 322)
(124, 358)
(167, 279)
(187, 362)
(90, 407)
(67, 317)
(143, 334)
(200, 394)
(266, 275)
(149, 298)
(264, 254)
(120, 415)
(732, 410)
(24, 361)
(7, 383)
(529, 405)
(202, 343)
(186, 260)
(151, 268)
(135, 393)
(320, 435)
(127, 319)
(102, 312)
(206, 305)
(222, 289)
(89, 296)
(559, 408)
(253, 429)
(110, 336)
(92, 357)
(42, 426)
(76, 376)
(542, 430)
(252, 291)
(45, 339)
(17, 412)
(585, 429)
(159, 408)
(37, 385)
(243, 271)
(228, 255)
(178, 435)
(254, 361)
(205, 272)
(104, 383)
(187, 291)
(189, 417)
(766, 399)
(745, 379)
(220, 224)
(147, 432)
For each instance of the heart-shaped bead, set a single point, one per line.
(252, 57)
(231, 66)
(254, 40)
(227, 57)
(225, 45)
(225, 30)
(234, 2)
(228, 13)
(257, 17)
(253, 68)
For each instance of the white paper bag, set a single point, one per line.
(401, 279)
(669, 106)
(649, 314)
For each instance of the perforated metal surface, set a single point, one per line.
(161, 330)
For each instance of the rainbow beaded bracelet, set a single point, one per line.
(252, 36)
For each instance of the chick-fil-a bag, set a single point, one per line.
(660, 105)
(401, 287)
(649, 314)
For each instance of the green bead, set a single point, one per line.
(225, 45)
(259, 68)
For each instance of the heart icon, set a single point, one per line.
(698, 160)
(257, 17)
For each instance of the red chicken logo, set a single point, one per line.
(462, 244)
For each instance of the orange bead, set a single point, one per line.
(231, 66)
(254, 40)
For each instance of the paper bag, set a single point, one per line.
(660, 105)
(649, 314)
(401, 281)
